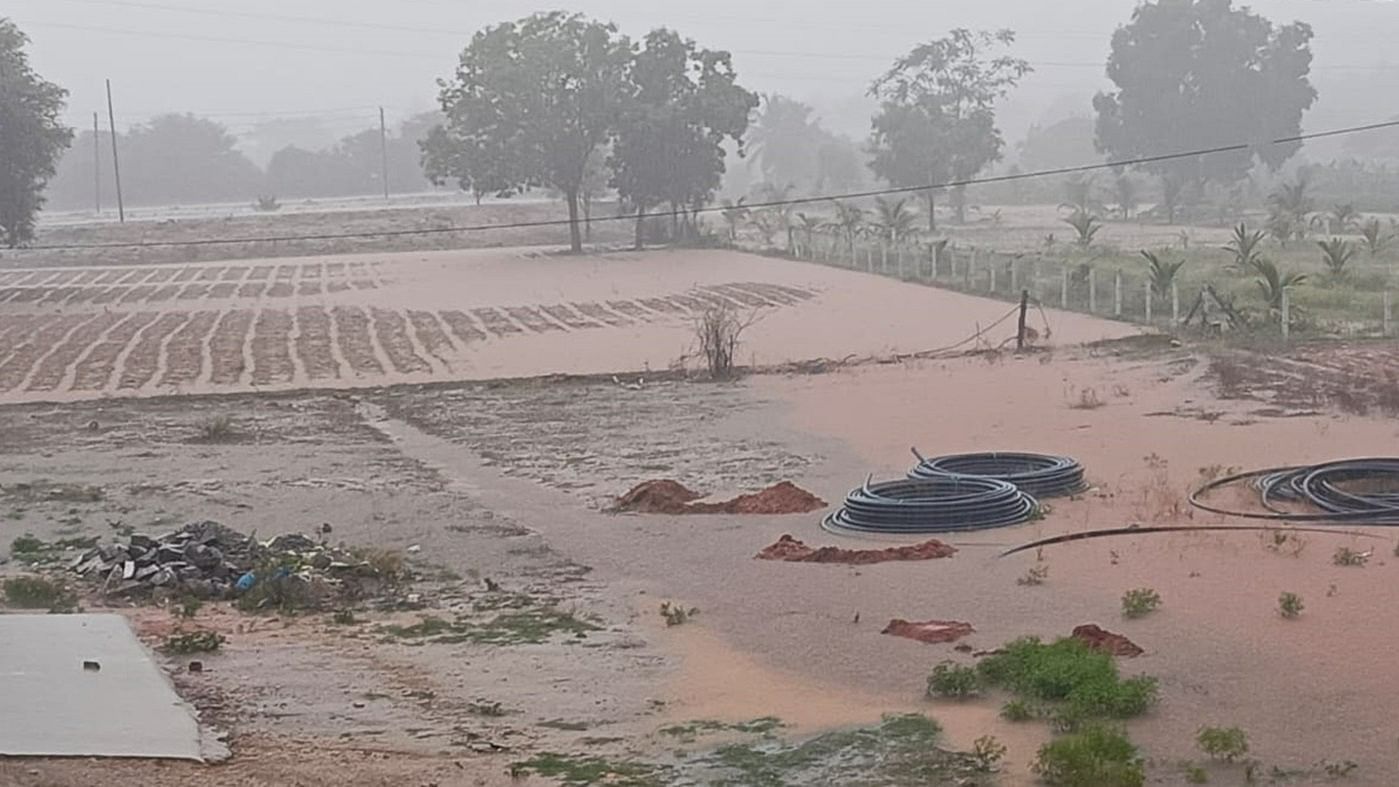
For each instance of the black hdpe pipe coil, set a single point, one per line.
(1350, 491)
(1039, 475)
(944, 504)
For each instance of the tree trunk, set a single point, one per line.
(575, 234)
(959, 201)
(588, 218)
(932, 211)
(640, 227)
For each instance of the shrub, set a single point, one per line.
(1222, 743)
(1068, 672)
(217, 429)
(676, 615)
(1140, 602)
(718, 330)
(1290, 605)
(1017, 710)
(953, 680)
(1097, 756)
(1197, 775)
(987, 753)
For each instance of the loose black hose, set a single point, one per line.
(1039, 475)
(1353, 491)
(942, 504)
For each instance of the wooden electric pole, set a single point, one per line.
(384, 150)
(96, 164)
(116, 161)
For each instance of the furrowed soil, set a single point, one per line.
(479, 479)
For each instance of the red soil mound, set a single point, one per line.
(670, 497)
(931, 631)
(791, 550)
(1106, 641)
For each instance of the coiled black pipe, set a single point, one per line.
(943, 504)
(1330, 488)
(1039, 475)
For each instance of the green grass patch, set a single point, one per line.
(34, 551)
(692, 730)
(193, 642)
(38, 593)
(523, 627)
(581, 770)
(1096, 756)
(49, 491)
(1079, 683)
(902, 750)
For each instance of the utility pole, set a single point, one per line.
(97, 163)
(116, 161)
(384, 150)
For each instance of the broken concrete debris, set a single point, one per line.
(210, 560)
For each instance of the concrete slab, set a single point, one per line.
(53, 706)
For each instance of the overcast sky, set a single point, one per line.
(244, 61)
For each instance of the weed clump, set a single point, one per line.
(1290, 605)
(1345, 556)
(954, 681)
(1140, 602)
(193, 642)
(38, 593)
(676, 615)
(987, 753)
(1197, 775)
(217, 429)
(1222, 743)
(1018, 710)
(1096, 756)
(1035, 576)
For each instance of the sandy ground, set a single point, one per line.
(341, 322)
(507, 481)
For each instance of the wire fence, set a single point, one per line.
(1068, 285)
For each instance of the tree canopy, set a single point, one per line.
(31, 136)
(1194, 74)
(531, 101)
(682, 103)
(936, 120)
(791, 148)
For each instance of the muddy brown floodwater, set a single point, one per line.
(499, 490)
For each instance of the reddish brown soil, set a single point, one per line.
(671, 497)
(790, 550)
(1106, 641)
(930, 631)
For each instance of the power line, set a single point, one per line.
(1234, 148)
(426, 55)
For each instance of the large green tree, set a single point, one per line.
(682, 104)
(538, 96)
(31, 136)
(937, 119)
(1196, 74)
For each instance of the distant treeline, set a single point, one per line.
(185, 159)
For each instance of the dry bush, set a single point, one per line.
(718, 331)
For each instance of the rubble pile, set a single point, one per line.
(671, 497)
(210, 560)
(791, 550)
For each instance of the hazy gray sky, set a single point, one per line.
(244, 61)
